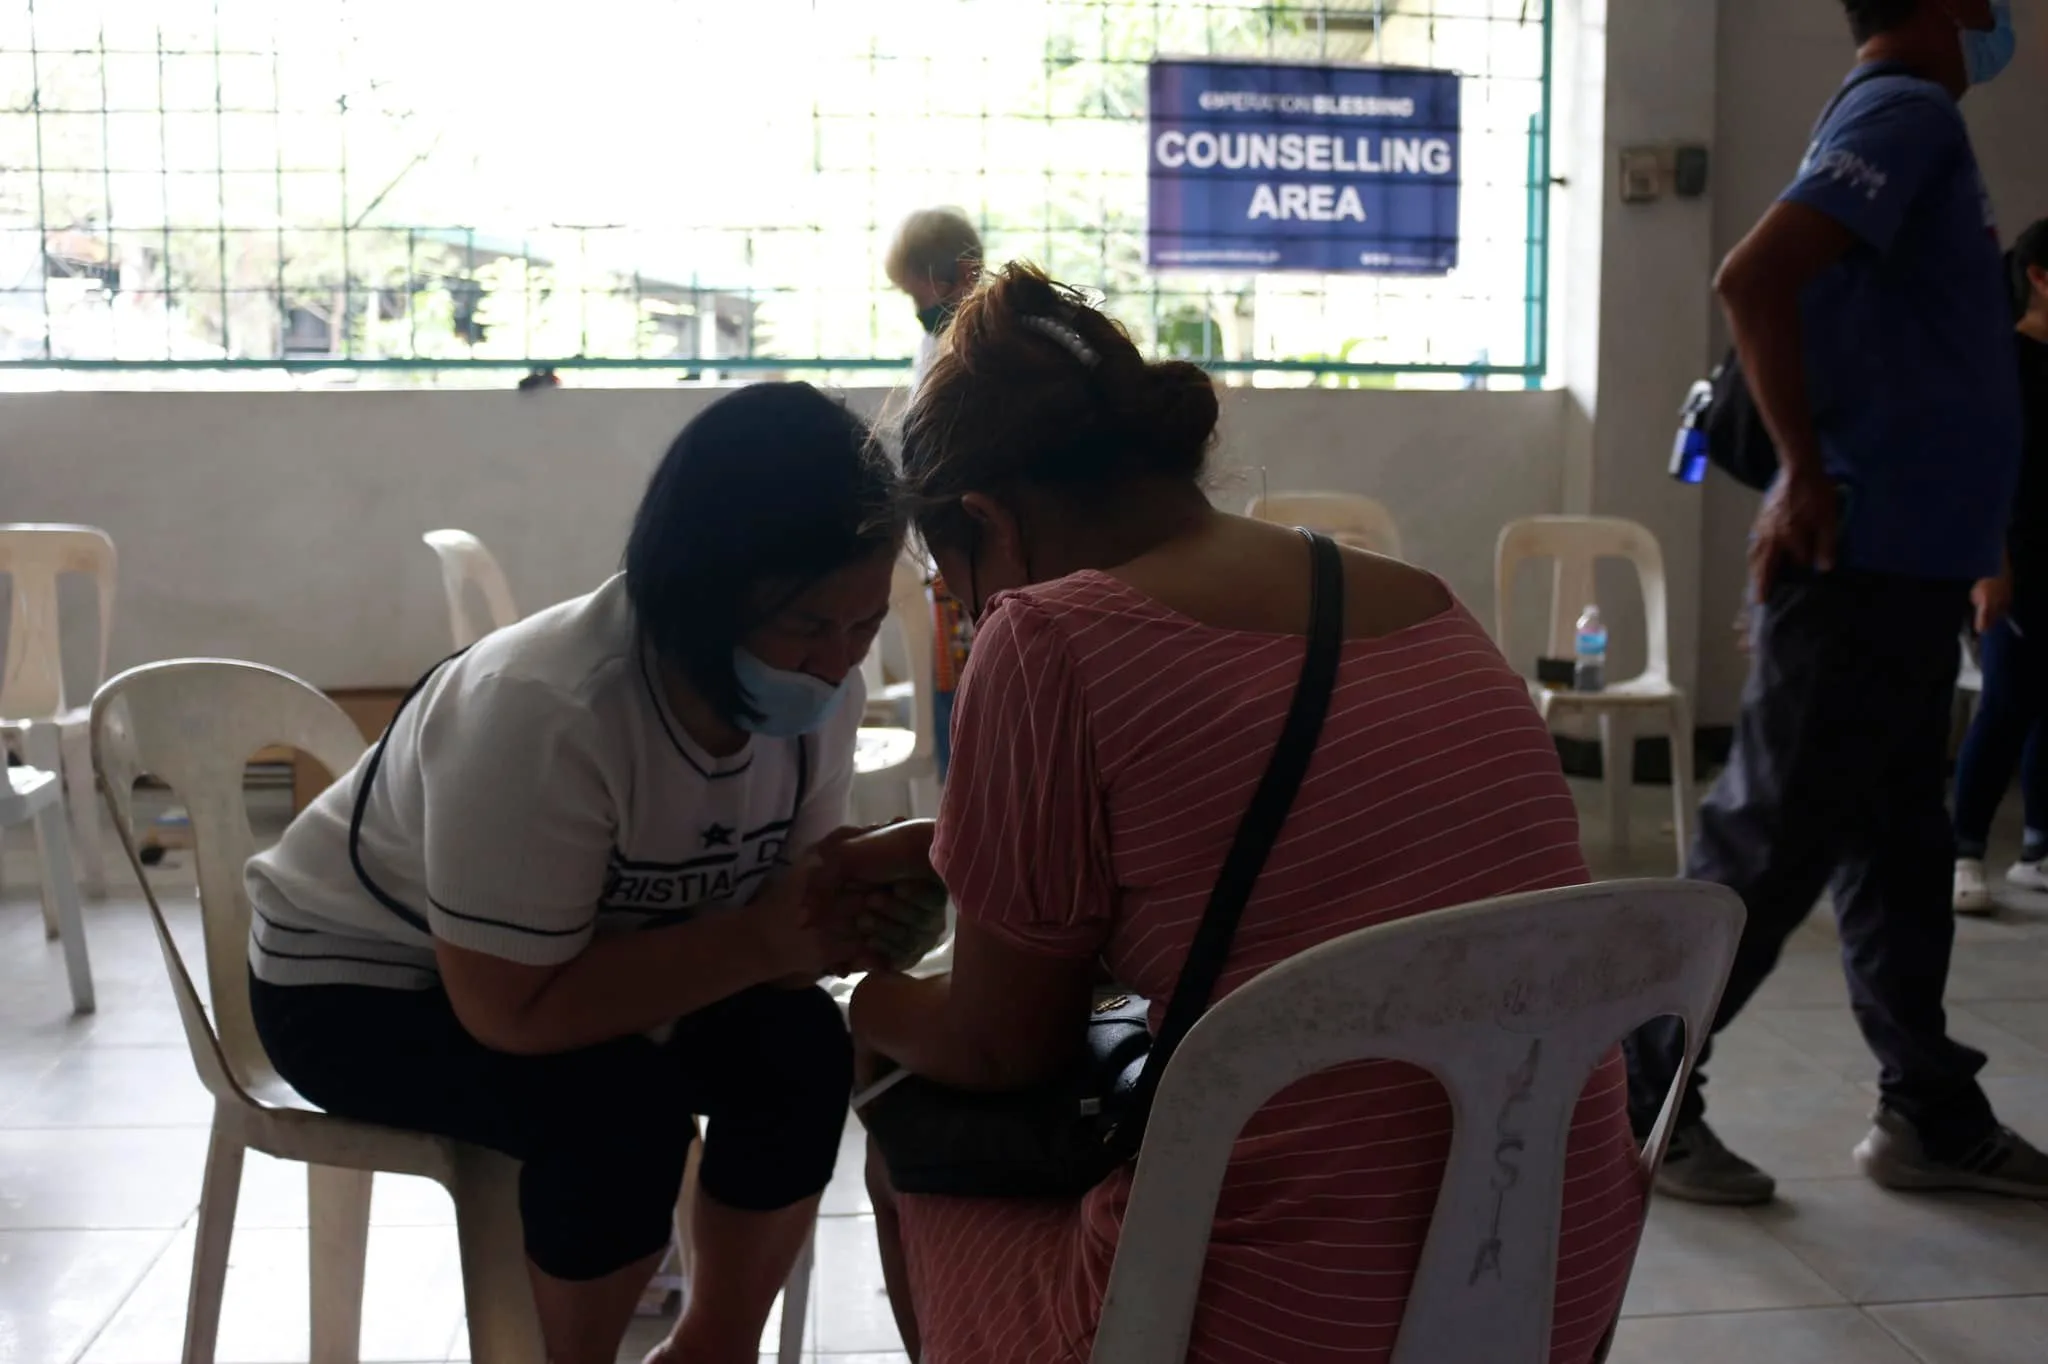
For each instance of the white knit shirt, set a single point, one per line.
(538, 793)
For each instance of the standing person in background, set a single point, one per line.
(2012, 624)
(936, 260)
(1871, 313)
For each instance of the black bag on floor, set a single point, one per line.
(1061, 1140)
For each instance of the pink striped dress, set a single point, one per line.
(1105, 748)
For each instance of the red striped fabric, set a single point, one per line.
(1104, 750)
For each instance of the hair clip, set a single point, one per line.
(1066, 336)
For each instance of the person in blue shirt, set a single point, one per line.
(1871, 314)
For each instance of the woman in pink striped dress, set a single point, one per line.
(1135, 655)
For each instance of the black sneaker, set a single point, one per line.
(2003, 1163)
(1699, 1169)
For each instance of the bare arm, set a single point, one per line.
(1006, 1018)
(1761, 286)
(631, 982)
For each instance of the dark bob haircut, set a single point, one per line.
(766, 491)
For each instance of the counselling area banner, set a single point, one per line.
(1337, 169)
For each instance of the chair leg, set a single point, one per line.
(796, 1302)
(218, 1195)
(496, 1293)
(1681, 779)
(60, 902)
(1617, 767)
(81, 800)
(38, 747)
(338, 1206)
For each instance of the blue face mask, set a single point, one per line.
(790, 703)
(1989, 52)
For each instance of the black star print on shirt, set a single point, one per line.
(717, 836)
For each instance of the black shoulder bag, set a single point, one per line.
(1061, 1140)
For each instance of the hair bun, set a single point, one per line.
(1175, 419)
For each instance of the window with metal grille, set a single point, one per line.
(690, 185)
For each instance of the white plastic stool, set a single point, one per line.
(35, 795)
(34, 557)
(1347, 518)
(465, 562)
(193, 723)
(1510, 1004)
(1574, 544)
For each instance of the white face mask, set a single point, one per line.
(790, 703)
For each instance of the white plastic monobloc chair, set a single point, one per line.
(35, 556)
(1346, 518)
(1510, 1004)
(465, 562)
(888, 755)
(1574, 544)
(34, 795)
(194, 724)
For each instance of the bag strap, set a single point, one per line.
(1256, 834)
(364, 783)
(1875, 71)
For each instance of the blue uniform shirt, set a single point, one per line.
(1909, 338)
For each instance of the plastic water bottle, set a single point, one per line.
(1589, 654)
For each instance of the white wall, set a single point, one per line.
(285, 527)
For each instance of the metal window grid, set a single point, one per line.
(237, 184)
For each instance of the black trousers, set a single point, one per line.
(603, 1132)
(1838, 781)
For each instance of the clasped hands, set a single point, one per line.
(872, 899)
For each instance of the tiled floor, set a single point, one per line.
(102, 1135)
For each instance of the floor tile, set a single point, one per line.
(2026, 1019)
(848, 1299)
(100, 1178)
(117, 1087)
(58, 1288)
(1828, 1035)
(2002, 971)
(1696, 1259)
(1748, 1054)
(646, 1332)
(412, 1301)
(1872, 1245)
(21, 1071)
(1804, 977)
(1803, 1131)
(2022, 1104)
(848, 1191)
(2000, 1331)
(1838, 1335)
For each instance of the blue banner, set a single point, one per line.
(1341, 170)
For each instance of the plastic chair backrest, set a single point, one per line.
(194, 724)
(464, 561)
(1574, 544)
(910, 604)
(34, 557)
(1346, 518)
(1510, 1004)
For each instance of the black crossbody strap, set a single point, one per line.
(1256, 834)
(364, 784)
